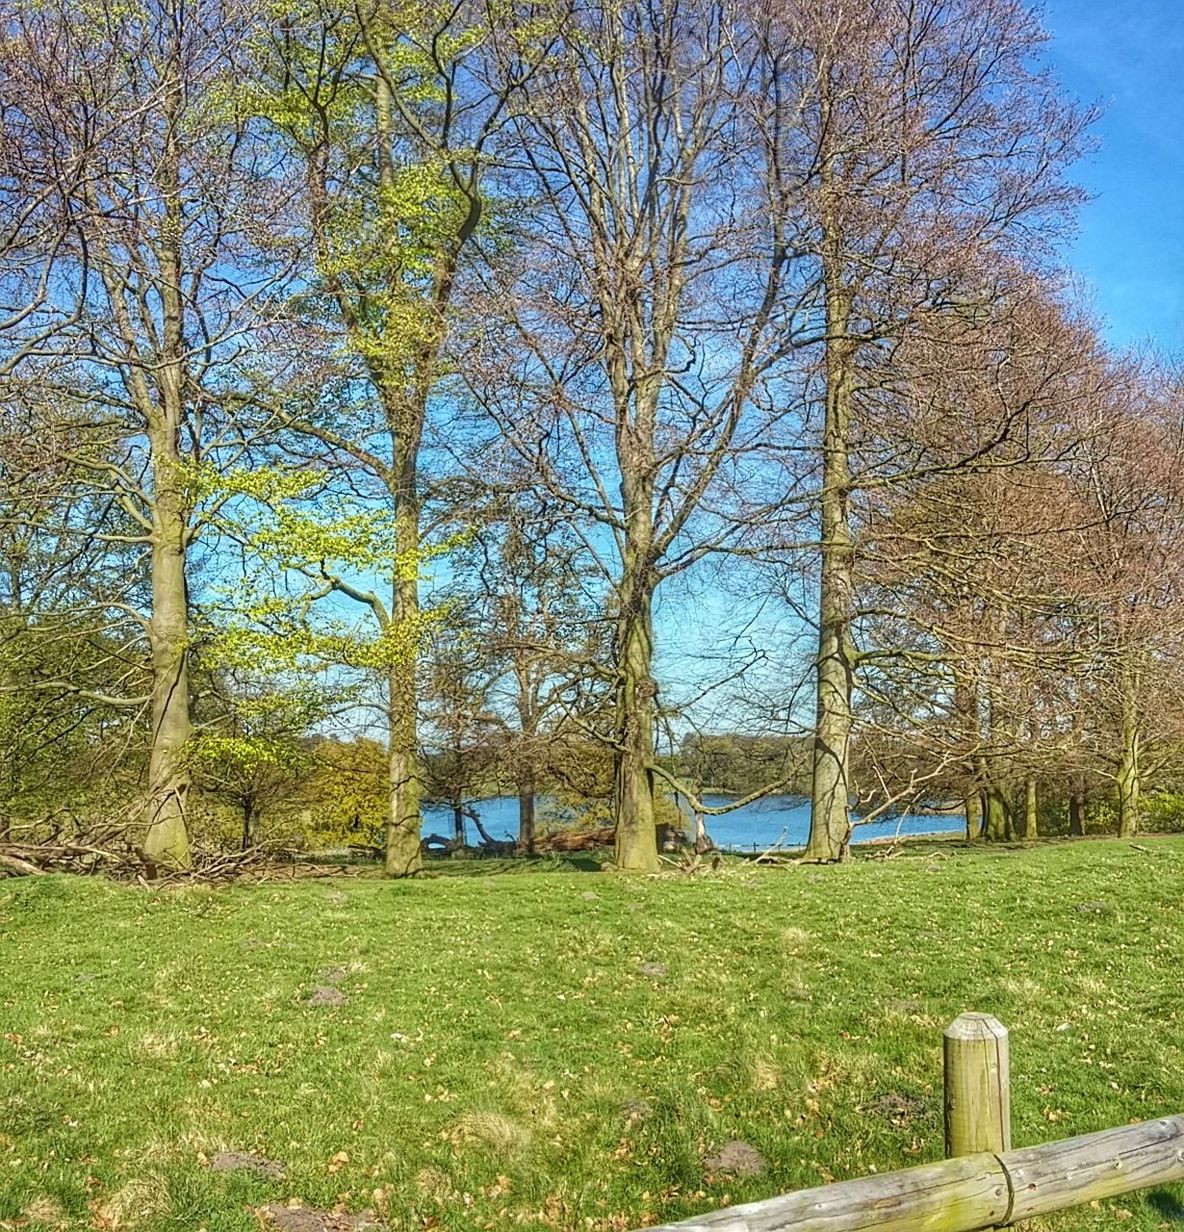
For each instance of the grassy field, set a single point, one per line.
(565, 1049)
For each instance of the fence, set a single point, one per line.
(984, 1183)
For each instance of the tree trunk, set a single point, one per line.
(1129, 787)
(1010, 833)
(166, 840)
(974, 816)
(1030, 817)
(830, 796)
(486, 837)
(703, 841)
(526, 812)
(458, 823)
(830, 821)
(404, 401)
(1129, 777)
(637, 840)
(1077, 809)
(997, 814)
(250, 826)
(966, 707)
(402, 856)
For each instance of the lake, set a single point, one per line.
(758, 825)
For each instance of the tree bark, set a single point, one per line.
(997, 813)
(1077, 809)
(966, 707)
(974, 816)
(637, 840)
(401, 850)
(250, 826)
(1129, 787)
(1129, 777)
(1010, 832)
(166, 840)
(830, 821)
(405, 406)
(526, 788)
(1030, 812)
(402, 856)
(633, 796)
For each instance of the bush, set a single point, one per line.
(1163, 812)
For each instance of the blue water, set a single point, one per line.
(787, 819)
(759, 825)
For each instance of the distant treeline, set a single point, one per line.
(739, 765)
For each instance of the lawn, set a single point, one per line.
(566, 1049)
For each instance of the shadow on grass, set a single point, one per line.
(484, 866)
(1166, 1203)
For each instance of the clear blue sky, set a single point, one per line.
(1128, 56)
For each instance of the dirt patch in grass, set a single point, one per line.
(309, 1219)
(241, 1161)
(43, 1210)
(738, 1158)
(326, 994)
(899, 1109)
(637, 1110)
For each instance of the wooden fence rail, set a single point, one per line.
(984, 1184)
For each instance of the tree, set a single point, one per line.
(928, 151)
(1126, 578)
(344, 795)
(390, 127)
(638, 325)
(161, 287)
(466, 733)
(532, 607)
(252, 746)
(966, 625)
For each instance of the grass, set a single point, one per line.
(564, 1050)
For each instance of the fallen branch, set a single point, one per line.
(19, 867)
(577, 840)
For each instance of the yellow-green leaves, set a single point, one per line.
(318, 572)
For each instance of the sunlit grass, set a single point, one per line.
(566, 1050)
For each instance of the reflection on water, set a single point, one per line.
(758, 825)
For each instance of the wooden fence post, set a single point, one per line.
(977, 1086)
(984, 1184)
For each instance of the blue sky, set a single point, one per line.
(1128, 56)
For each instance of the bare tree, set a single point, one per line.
(1125, 577)
(929, 152)
(532, 602)
(640, 319)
